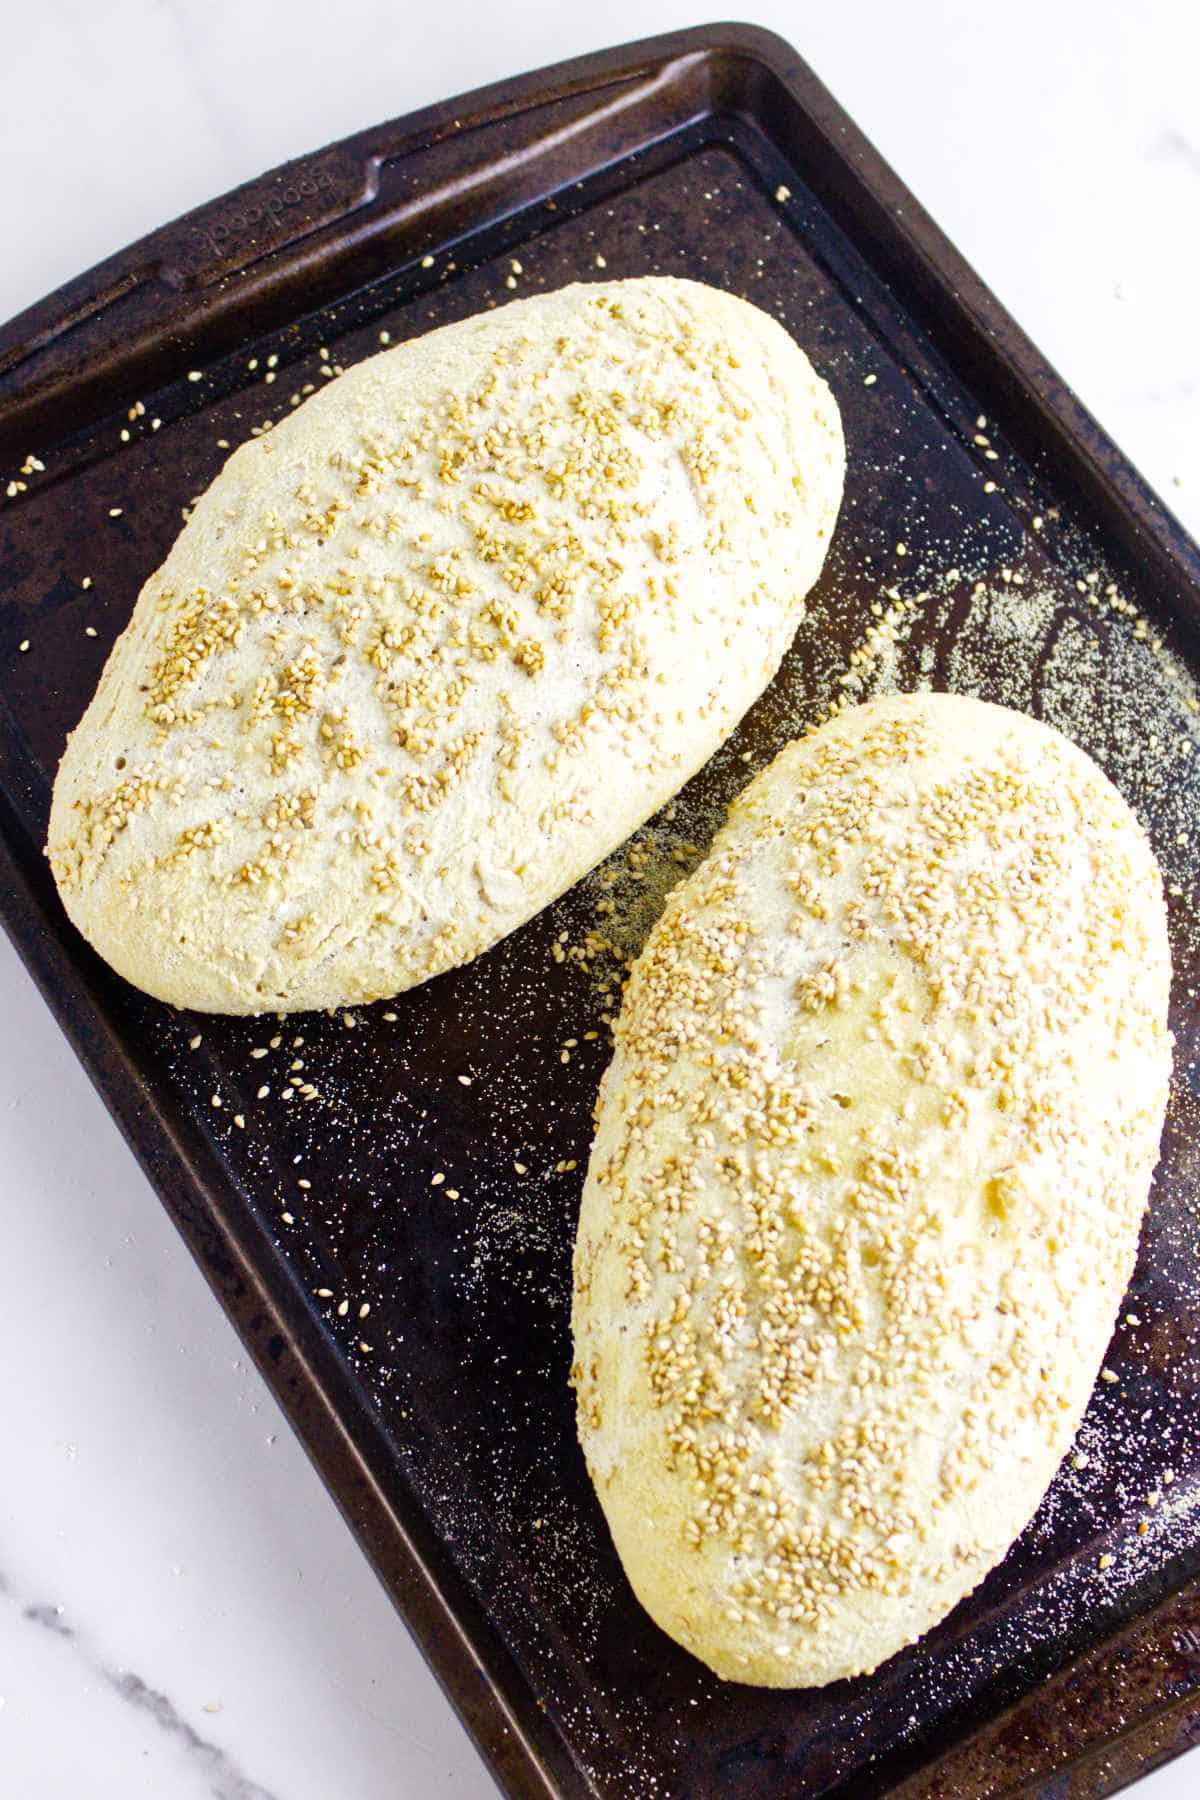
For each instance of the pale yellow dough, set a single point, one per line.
(871, 1159)
(436, 644)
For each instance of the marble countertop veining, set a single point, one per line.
(183, 1614)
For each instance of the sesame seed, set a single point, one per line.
(195, 375)
(783, 194)
(1106, 1561)
(870, 380)
(466, 1080)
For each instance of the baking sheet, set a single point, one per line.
(416, 1329)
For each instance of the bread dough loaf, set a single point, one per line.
(436, 644)
(871, 1159)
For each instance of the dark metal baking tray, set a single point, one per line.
(441, 1419)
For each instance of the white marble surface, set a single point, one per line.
(182, 1613)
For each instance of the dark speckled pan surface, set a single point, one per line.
(440, 1417)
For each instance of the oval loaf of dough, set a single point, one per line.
(871, 1159)
(431, 648)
